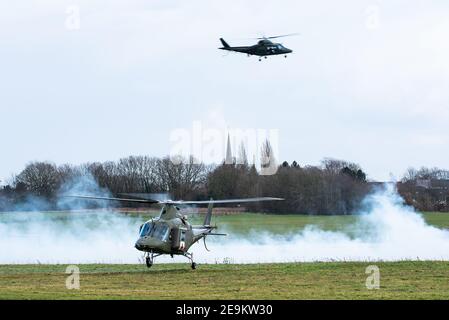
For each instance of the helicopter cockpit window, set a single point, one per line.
(161, 232)
(146, 229)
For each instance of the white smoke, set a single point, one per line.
(82, 237)
(386, 230)
(71, 235)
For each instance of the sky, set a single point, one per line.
(84, 81)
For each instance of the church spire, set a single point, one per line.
(229, 159)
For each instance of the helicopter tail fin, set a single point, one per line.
(224, 43)
(208, 217)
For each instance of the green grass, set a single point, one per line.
(284, 224)
(342, 280)
(281, 224)
(438, 219)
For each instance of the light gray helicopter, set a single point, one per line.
(170, 232)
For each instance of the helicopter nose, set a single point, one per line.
(138, 245)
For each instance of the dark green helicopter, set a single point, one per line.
(170, 232)
(265, 47)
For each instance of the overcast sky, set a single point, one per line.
(368, 80)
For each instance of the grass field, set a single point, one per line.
(344, 280)
(330, 280)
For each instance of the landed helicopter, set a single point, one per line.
(265, 47)
(170, 232)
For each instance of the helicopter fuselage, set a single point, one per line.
(170, 233)
(262, 49)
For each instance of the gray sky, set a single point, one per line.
(368, 81)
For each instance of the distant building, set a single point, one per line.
(230, 159)
(439, 184)
(423, 183)
(427, 194)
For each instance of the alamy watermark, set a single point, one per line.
(373, 280)
(253, 146)
(72, 282)
(73, 18)
(372, 17)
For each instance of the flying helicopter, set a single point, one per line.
(170, 233)
(264, 47)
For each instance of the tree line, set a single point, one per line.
(426, 189)
(333, 187)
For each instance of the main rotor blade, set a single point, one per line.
(148, 196)
(113, 199)
(170, 202)
(224, 201)
(280, 36)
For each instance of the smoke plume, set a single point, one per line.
(385, 229)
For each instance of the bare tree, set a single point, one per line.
(242, 158)
(181, 178)
(267, 159)
(40, 178)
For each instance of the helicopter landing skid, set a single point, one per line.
(190, 257)
(149, 258)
